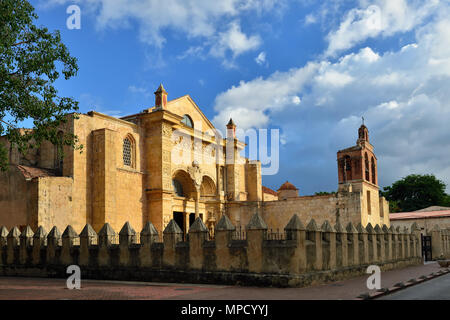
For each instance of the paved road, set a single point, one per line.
(435, 289)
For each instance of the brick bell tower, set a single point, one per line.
(358, 164)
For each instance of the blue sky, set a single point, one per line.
(309, 68)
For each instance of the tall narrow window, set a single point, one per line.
(374, 179)
(366, 161)
(347, 168)
(369, 205)
(127, 152)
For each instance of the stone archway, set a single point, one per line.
(208, 189)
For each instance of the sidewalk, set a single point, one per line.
(44, 289)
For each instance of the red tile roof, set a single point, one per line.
(33, 172)
(269, 191)
(419, 215)
(287, 186)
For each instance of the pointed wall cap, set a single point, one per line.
(69, 232)
(369, 228)
(107, 231)
(351, 228)
(436, 228)
(397, 229)
(392, 229)
(415, 227)
(3, 232)
(360, 228)
(160, 89)
(149, 230)
(256, 223)
(326, 227)
(198, 226)
(127, 230)
(385, 229)
(54, 233)
(377, 229)
(172, 227)
(27, 232)
(338, 227)
(40, 233)
(14, 233)
(88, 232)
(225, 224)
(231, 123)
(295, 223)
(406, 230)
(312, 226)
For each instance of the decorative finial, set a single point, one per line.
(362, 120)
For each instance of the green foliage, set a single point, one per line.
(31, 60)
(416, 192)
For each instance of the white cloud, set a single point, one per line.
(403, 95)
(381, 17)
(199, 19)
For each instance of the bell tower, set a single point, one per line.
(160, 98)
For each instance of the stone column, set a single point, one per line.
(127, 236)
(295, 231)
(88, 238)
(328, 244)
(256, 234)
(381, 248)
(149, 235)
(106, 239)
(69, 237)
(388, 242)
(223, 237)
(3, 242)
(197, 237)
(197, 203)
(415, 230)
(13, 241)
(436, 242)
(342, 244)
(353, 241)
(39, 242)
(372, 243)
(363, 244)
(53, 243)
(26, 242)
(172, 235)
(314, 254)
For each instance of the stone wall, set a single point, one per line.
(424, 224)
(296, 256)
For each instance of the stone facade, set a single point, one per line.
(168, 162)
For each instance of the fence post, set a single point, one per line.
(127, 236)
(106, 237)
(256, 234)
(3, 244)
(415, 230)
(387, 242)
(381, 248)
(342, 259)
(53, 242)
(149, 235)
(372, 243)
(436, 243)
(13, 241)
(223, 236)
(353, 241)
(295, 231)
(172, 235)
(363, 244)
(39, 243)
(197, 237)
(87, 239)
(314, 246)
(69, 237)
(328, 246)
(26, 242)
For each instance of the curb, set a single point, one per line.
(401, 285)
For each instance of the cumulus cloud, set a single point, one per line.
(261, 58)
(403, 95)
(197, 19)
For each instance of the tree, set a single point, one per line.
(416, 192)
(31, 60)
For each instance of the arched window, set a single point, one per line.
(177, 188)
(128, 152)
(374, 179)
(366, 161)
(187, 121)
(347, 168)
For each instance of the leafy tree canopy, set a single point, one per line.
(416, 192)
(31, 60)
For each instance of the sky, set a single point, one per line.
(310, 69)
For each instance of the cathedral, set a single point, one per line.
(168, 162)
